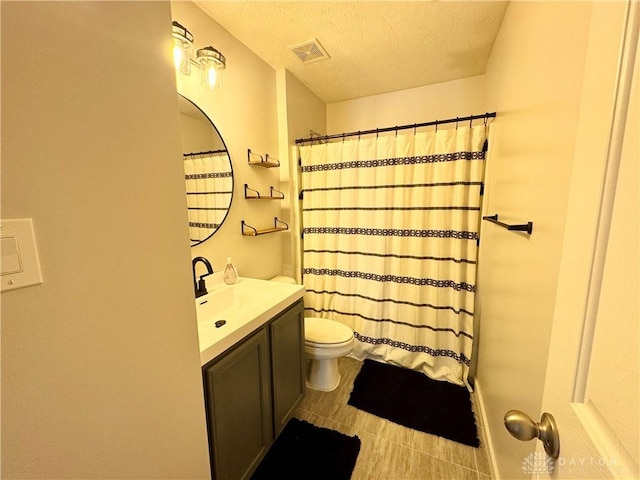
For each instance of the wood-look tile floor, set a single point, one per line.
(389, 451)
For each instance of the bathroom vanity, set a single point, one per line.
(253, 369)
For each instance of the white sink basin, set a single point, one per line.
(220, 298)
(229, 313)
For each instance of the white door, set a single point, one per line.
(591, 383)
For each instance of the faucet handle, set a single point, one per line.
(201, 288)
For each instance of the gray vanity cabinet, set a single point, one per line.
(238, 397)
(287, 363)
(251, 391)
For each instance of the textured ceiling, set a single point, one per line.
(374, 47)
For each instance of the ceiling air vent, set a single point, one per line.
(310, 51)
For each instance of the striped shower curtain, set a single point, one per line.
(209, 185)
(390, 231)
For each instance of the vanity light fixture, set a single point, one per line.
(182, 46)
(212, 63)
(208, 59)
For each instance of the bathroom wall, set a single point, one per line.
(533, 80)
(422, 104)
(305, 111)
(100, 366)
(299, 112)
(245, 113)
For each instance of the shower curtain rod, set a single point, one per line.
(471, 118)
(208, 152)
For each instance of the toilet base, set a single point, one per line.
(323, 374)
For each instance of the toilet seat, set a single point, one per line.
(328, 345)
(319, 332)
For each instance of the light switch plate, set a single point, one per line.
(20, 266)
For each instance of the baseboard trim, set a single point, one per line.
(486, 429)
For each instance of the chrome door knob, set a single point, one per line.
(523, 428)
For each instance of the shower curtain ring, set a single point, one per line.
(456, 123)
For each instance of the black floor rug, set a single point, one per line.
(413, 400)
(304, 450)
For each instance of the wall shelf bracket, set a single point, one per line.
(252, 194)
(257, 160)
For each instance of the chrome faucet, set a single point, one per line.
(200, 286)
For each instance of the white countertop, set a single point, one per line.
(246, 306)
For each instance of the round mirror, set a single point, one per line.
(207, 171)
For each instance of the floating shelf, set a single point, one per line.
(251, 194)
(257, 160)
(526, 227)
(249, 231)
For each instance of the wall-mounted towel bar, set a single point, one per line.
(526, 227)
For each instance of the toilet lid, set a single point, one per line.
(323, 330)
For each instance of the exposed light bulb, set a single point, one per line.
(212, 77)
(177, 57)
(182, 45)
(182, 57)
(212, 63)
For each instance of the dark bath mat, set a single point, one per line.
(304, 450)
(414, 400)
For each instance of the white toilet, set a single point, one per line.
(324, 342)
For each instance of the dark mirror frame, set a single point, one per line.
(217, 132)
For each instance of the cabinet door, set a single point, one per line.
(287, 363)
(238, 395)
